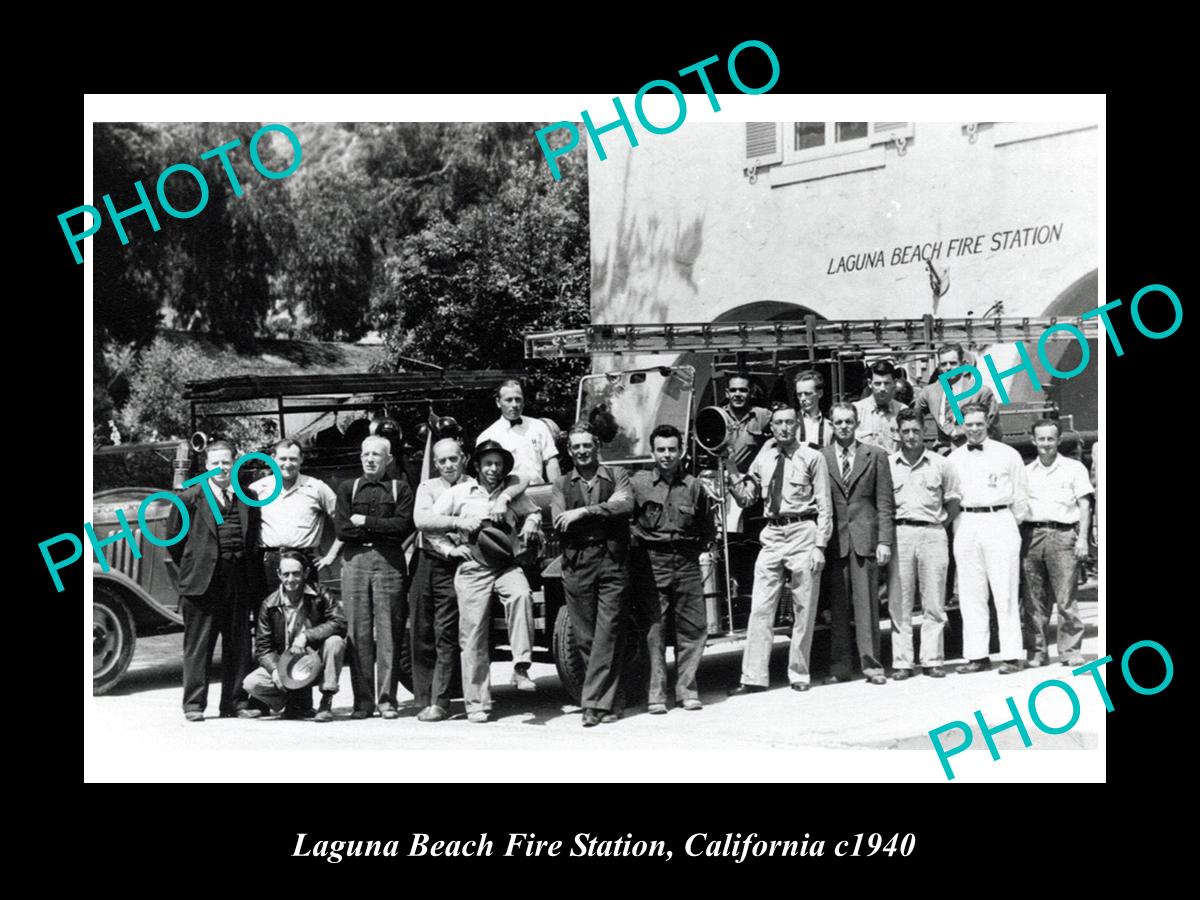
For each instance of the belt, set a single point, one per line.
(1057, 526)
(809, 516)
(985, 508)
(917, 523)
(670, 546)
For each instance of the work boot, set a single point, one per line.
(520, 677)
(325, 709)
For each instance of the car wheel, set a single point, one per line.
(568, 656)
(113, 638)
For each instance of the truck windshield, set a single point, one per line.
(636, 401)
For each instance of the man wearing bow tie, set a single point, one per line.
(932, 401)
(987, 542)
(214, 585)
(863, 533)
(877, 413)
(529, 440)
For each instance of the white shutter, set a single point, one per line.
(764, 143)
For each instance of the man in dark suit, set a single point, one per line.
(863, 533)
(214, 585)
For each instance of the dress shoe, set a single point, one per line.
(692, 704)
(742, 689)
(479, 716)
(799, 686)
(1074, 661)
(249, 713)
(325, 710)
(432, 713)
(389, 712)
(362, 713)
(591, 718)
(877, 679)
(1010, 666)
(935, 671)
(609, 717)
(193, 715)
(657, 709)
(520, 678)
(974, 665)
(902, 675)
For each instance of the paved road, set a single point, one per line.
(143, 713)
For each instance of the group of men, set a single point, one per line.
(847, 495)
(840, 497)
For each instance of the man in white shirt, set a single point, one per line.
(535, 456)
(987, 543)
(1053, 543)
(877, 413)
(297, 518)
(480, 573)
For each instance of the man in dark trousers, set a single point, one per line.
(670, 525)
(591, 507)
(863, 534)
(372, 518)
(214, 583)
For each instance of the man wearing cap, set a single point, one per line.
(812, 428)
(297, 518)
(877, 412)
(795, 481)
(927, 497)
(1054, 540)
(490, 562)
(373, 518)
(863, 533)
(432, 599)
(591, 507)
(297, 617)
(987, 542)
(214, 583)
(670, 524)
(932, 400)
(529, 440)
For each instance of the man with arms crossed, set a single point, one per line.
(795, 481)
(1053, 542)
(591, 507)
(987, 542)
(927, 497)
(863, 533)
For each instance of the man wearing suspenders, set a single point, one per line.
(812, 428)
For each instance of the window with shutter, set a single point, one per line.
(806, 151)
(763, 144)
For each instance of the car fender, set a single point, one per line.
(144, 608)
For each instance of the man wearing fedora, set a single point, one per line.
(591, 507)
(491, 562)
(373, 517)
(294, 619)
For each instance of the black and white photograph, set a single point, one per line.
(539, 449)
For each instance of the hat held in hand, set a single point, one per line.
(299, 670)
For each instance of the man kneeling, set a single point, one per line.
(297, 616)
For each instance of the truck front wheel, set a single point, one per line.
(113, 638)
(568, 656)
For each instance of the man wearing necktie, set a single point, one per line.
(794, 538)
(987, 542)
(932, 401)
(863, 533)
(877, 413)
(214, 585)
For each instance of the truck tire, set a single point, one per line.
(114, 636)
(568, 657)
